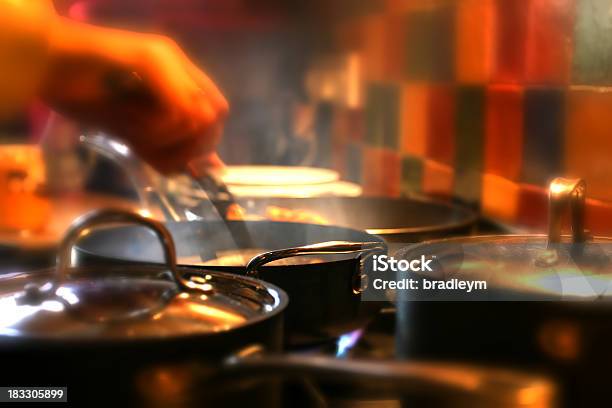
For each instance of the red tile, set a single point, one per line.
(533, 207)
(549, 37)
(510, 40)
(381, 172)
(440, 142)
(340, 125)
(500, 198)
(437, 179)
(504, 131)
(355, 124)
(474, 35)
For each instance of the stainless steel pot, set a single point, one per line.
(110, 333)
(325, 296)
(546, 306)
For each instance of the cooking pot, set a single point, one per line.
(325, 296)
(161, 337)
(546, 305)
(88, 327)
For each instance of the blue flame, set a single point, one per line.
(347, 341)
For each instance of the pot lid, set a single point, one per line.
(524, 267)
(129, 302)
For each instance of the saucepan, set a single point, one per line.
(546, 306)
(324, 275)
(164, 336)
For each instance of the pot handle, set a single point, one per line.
(330, 247)
(85, 223)
(474, 385)
(564, 193)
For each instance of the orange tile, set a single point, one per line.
(503, 148)
(414, 118)
(588, 144)
(437, 179)
(474, 21)
(394, 47)
(533, 207)
(374, 53)
(500, 198)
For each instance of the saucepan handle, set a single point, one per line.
(325, 248)
(472, 385)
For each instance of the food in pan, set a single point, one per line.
(276, 213)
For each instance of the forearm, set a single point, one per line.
(25, 33)
(73, 38)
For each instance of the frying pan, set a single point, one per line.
(399, 220)
(405, 220)
(325, 296)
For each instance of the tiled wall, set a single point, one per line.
(479, 100)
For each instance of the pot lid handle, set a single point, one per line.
(331, 247)
(564, 193)
(85, 223)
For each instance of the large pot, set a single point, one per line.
(546, 305)
(161, 337)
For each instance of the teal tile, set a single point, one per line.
(354, 158)
(382, 115)
(373, 116)
(412, 175)
(592, 59)
(469, 143)
(543, 143)
(430, 44)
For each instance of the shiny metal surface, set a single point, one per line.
(128, 303)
